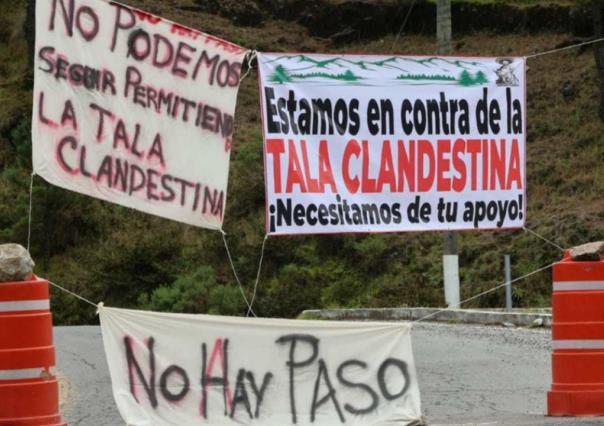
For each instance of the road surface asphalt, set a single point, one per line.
(468, 375)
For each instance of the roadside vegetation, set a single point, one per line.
(125, 258)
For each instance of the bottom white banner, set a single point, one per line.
(180, 369)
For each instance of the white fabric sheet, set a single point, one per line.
(179, 369)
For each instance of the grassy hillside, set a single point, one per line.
(113, 254)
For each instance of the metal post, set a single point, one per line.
(508, 282)
(450, 250)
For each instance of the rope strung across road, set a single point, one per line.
(250, 304)
(476, 296)
(95, 305)
(573, 46)
(530, 231)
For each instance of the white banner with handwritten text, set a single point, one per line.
(133, 109)
(182, 369)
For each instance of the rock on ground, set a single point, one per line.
(15, 263)
(589, 251)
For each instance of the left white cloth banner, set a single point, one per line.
(134, 109)
(182, 369)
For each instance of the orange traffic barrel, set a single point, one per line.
(577, 339)
(29, 392)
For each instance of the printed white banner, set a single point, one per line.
(179, 369)
(133, 109)
(392, 143)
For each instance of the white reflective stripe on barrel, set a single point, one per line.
(25, 373)
(578, 285)
(578, 344)
(25, 305)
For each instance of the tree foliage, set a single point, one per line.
(198, 292)
(125, 258)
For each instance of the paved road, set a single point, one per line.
(469, 375)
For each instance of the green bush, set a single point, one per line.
(198, 292)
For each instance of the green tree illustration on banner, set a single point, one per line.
(465, 79)
(280, 75)
(480, 78)
(349, 76)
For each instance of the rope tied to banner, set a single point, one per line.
(572, 46)
(249, 59)
(82, 298)
(257, 275)
(31, 197)
(249, 304)
(241, 290)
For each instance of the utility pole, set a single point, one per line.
(450, 249)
